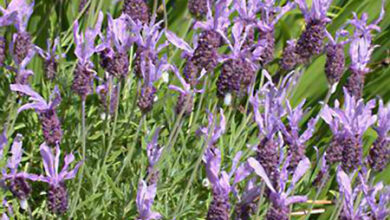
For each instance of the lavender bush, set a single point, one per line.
(197, 109)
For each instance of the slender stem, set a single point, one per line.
(131, 149)
(316, 197)
(83, 142)
(260, 200)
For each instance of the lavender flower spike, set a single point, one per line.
(51, 59)
(51, 125)
(145, 199)
(103, 92)
(293, 138)
(18, 13)
(153, 151)
(270, 15)
(220, 207)
(239, 67)
(379, 154)
(281, 199)
(214, 129)
(335, 58)
(85, 48)
(151, 73)
(17, 181)
(115, 46)
(57, 195)
(379, 208)
(311, 41)
(186, 99)
(146, 37)
(137, 9)
(215, 24)
(348, 125)
(349, 196)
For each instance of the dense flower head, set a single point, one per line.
(21, 48)
(270, 15)
(292, 134)
(147, 37)
(138, 10)
(57, 195)
(220, 182)
(281, 198)
(379, 154)
(335, 58)
(289, 56)
(18, 13)
(348, 126)
(50, 58)
(51, 125)
(145, 198)
(15, 180)
(198, 8)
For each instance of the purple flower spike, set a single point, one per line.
(85, 48)
(115, 46)
(280, 198)
(17, 181)
(214, 129)
(348, 126)
(151, 73)
(146, 37)
(57, 195)
(239, 67)
(292, 136)
(379, 154)
(220, 206)
(311, 41)
(104, 93)
(138, 10)
(50, 57)
(379, 208)
(145, 198)
(335, 58)
(153, 151)
(199, 8)
(51, 125)
(349, 195)
(215, 24)
(185, 102)
(270, 15)
(18, 13)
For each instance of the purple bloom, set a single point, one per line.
(348, 126)
(215, 24)
(349, 196)
(57, 195)
(198, 8)
(118, 41)
(85, 48)
(292, 136)
(186, 98)
(280, 198)
(17, 181)
(335, 58)
(289, 56)
(151, 73)
(311, 41)
(270, 15)
(146, 37)
(51, 125)
(379, 154)
(214, 129)
(103, 91)
(137, 9)
(3, 49)
(145, 199)
(379, 208)
(18, 13)
(50, 58)
(153, 151)
(239, 67)
(220, 206)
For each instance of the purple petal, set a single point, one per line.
(295, 199)
(178, 42)
(16, 151)
(48, 160)
(259, 170)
